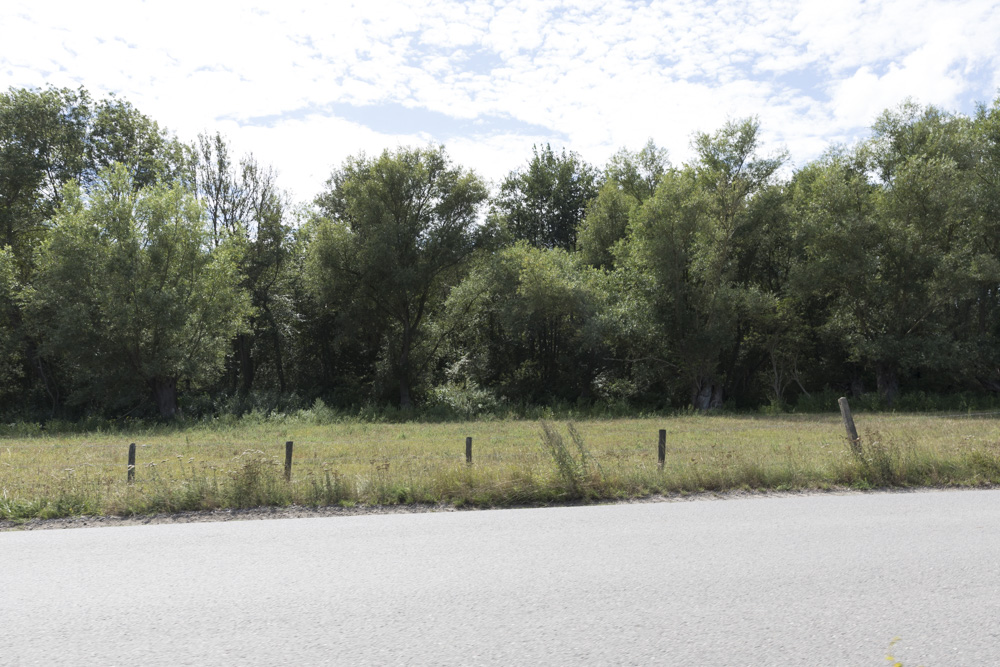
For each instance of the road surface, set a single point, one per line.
(799, 580)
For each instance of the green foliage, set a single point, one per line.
(545, 203)
(245, 207)
(705, 255)
(528, 319)
(129, 296)
(43, 145)
(605, 224)
(892, 264)
(396, 234)
(717, 283)
(638, 174)
(10, 347)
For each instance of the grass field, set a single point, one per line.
(514, 462)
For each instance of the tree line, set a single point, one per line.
(140, 275)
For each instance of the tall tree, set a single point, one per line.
(983, 318)
(44, 137)
(630, 178)
(695, 254)
(48, 138)
(544, 203)
(244, 205)
(891, 253)
(129, 296)
(395, 234)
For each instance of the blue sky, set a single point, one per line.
(303, 85)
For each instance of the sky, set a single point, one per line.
(304, 85)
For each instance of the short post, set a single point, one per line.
(468, 450)
(852, 431)
(288, 461)
(131, 463)
(661, 450)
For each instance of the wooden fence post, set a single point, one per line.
(468, 450)
(661, 450)
(852, 431)
(288, 461)
(131, 463)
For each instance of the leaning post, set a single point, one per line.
(852, 431)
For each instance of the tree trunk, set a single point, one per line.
(404, 395)
(165, 393)
(701, 394)
(888, 383)
(716, 401)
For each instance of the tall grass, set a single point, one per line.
(347, 462)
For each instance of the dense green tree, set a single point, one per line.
(48, 138)
(395, 234)
(630, 178)
(528, 321)
(605, 224)
(980, 324)
(120, 134)
(44, 137)
(544, 203)
(129, 296)
(890, 255)
(699, 252)
(638, 173)
(10, 347)
(244, 205)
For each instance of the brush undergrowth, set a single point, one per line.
(515, 462)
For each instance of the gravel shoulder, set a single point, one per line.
(298, 512)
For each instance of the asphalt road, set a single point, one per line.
(802, 580)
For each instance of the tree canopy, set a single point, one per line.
(128, 295)
(140, 275)
(394, 233)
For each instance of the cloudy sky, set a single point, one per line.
(302, 85)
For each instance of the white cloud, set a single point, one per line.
(599, 74)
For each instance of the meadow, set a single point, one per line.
(348, 462)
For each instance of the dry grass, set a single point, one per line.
(515, 462)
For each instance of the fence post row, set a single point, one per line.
(131, 463)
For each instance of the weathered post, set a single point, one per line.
(131, 463)
(288, 461)
(852, 431)
(661, 450)
(468, 450)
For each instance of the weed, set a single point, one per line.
(255, 481)
(574, 470)
(881, 458)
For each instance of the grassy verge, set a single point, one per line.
(514, 462)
